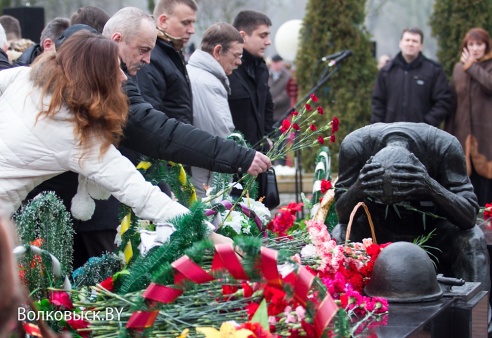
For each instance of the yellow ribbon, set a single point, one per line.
(144, 165)
(125, 223)
(128, 251)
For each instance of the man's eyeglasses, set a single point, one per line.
(236, 55)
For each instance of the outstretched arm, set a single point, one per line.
(152, 133)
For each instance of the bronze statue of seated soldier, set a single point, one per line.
(413, 178)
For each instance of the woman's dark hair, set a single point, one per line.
(477, 34)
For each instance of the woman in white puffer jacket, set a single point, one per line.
(65, 113)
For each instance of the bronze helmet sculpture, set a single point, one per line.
(404, 273)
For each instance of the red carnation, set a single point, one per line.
(294, 207)
(308, 107)
(229, 289)
(487, 212)
(247, 289)
(332, 138)
(108, 284)
(296, 126)
(295, 112)
(320, 110)
(321, 140)
(251, 309)
(61, 299)
(285, 126)
(325, 185)
(312, 127)
(314, 98)
(334, 124)
(373, 250)
(282, 222)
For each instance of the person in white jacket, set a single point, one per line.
(219, 54)
(65, 113)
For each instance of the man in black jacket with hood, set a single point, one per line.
(148, 132)
(411, 87)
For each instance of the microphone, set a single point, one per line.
(331, 56)
(345, 54)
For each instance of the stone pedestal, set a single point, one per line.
(460, 313)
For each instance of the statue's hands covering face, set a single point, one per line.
(394, 177)
(410, 179)
(370, 179)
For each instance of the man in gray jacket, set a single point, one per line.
(219, 54)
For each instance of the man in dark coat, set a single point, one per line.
(413, 179)
(4, 46)
(164, 83)
(411, 87)
(149, 132)
(250, 100)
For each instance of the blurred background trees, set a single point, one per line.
(328, 27)
(451, 20)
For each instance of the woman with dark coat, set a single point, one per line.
(471, 123)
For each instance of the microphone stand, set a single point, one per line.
(297, 154)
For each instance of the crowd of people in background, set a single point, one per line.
(182, 110)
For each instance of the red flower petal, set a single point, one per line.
(285, 126)
(325, 185)
(312, 127)
(314, 98)
(320, 110)
(321, 140)
(334, 124)
(308, 107)
(108, 284)
(61, 299)
(332, 138)
(296, 126)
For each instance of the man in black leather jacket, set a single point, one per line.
(164, 82)
(149, 132)
(411, 87)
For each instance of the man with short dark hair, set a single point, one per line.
(250, 100)
(90, 16)
(411, 87)
(164, 82)
(49, 35)
(12, 27)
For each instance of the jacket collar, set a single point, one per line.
(400, 61)
(205, 61)
(177, 43)
(250, 63)
(486, 57)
